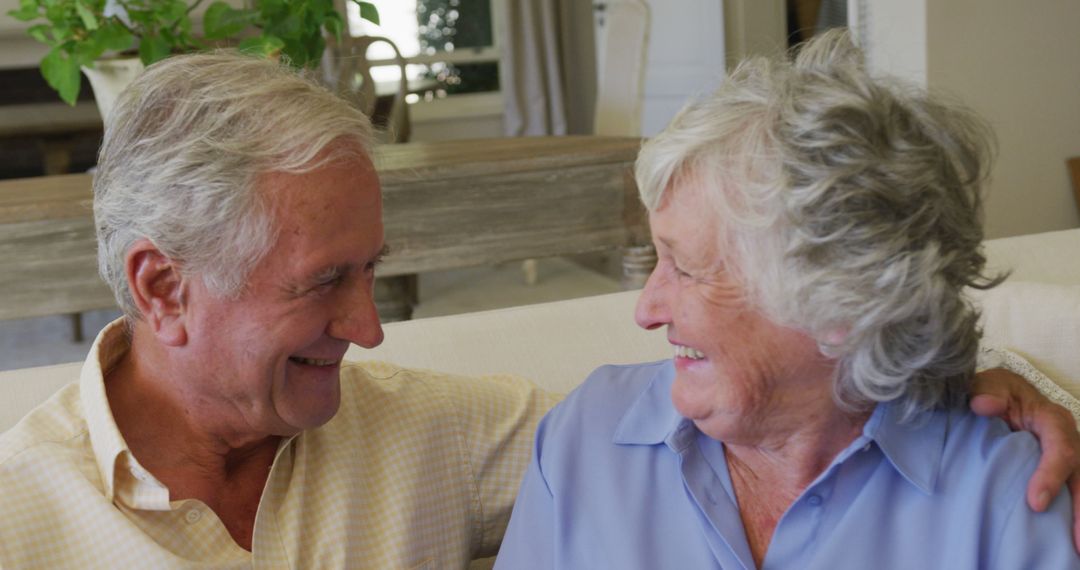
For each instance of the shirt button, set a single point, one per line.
(814, 500)
(192, 516)
(866, 447)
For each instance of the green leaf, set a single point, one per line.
(62, 74)
(143, 18)
(89, 50)
(334, 25)
(28, 10)
(223, 21)
(87, 17)
(58, 16)
(184, 26)
(115, 37)
(264, 45)
(368, 11)
(270, 10)
(111, 36)
(40, 33)
(153, 48)
(305, 51)
(24, 15)
(292, 27)
(174, 10)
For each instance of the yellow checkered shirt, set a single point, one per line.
(417, 470)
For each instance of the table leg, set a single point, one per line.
(56, 154)
(76, 327)
(395, 297)
(638, 262)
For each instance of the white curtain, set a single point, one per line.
(548, 67)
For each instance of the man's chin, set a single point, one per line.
(309, 409)
(315, 413)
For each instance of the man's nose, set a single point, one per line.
(357, 319)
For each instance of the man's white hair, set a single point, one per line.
(183, 149)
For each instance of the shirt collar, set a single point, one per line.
(914, 447)
(120, 472)
(652, 417)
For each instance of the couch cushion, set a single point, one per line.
(23, 390)
(555, 344)
(1049, 257)
(1039, 321)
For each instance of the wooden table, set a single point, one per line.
(55, 126)
(447, 205)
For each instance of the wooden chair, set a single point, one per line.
(348, 70)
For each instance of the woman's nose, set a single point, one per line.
(652, 311)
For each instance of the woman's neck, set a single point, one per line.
(770, 473)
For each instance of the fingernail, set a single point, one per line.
(1043, 500)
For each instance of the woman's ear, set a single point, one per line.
(157, 288)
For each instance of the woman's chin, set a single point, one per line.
(714, 411)
(692, 397)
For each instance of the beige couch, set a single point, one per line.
(1036, 314)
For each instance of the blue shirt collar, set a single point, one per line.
(652, 417)
(914, 448)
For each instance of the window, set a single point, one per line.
(450, 46)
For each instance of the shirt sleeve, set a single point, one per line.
(530, 538)
(498, 416)
(1036, 540)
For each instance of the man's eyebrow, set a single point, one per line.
(334, 271)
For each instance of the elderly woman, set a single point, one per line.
(815, 229)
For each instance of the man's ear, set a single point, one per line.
(158, 289)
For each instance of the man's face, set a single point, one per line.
(271, 357)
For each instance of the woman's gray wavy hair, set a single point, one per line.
(850, 209)
(183, 150)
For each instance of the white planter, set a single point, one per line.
(108, 78)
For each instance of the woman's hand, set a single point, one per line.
(999, 392)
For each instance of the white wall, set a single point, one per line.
(1017, 64)
(893, 33)
(685, 57)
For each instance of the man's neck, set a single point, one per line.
(171, 434)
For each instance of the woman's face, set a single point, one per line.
(738, 374)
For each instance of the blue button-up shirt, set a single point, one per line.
(619, 479)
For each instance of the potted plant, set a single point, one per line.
(82, 32)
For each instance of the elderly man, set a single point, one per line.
(239, 223)
(215, 426)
